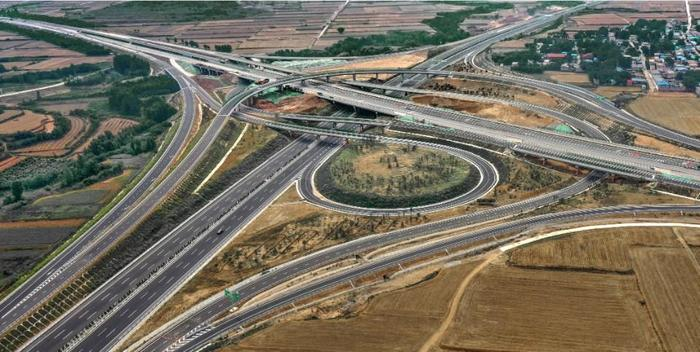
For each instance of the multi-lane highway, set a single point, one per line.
(72, 260)
(109, 314)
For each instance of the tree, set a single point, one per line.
(157, 110)
(2, 69)
(224, 48)
(17, 190)
(691, 79)
(131, 65)
(341, 30)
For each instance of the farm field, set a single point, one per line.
(58, 147)
(27, 121)
(23, 242)
(670, 283)
(612, 91)
(534, 310)
(112, 125)
(677, 113)
(664, 147)
(411, 313)
(632, 289)
(36, 55)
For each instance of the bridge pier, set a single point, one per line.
(376, 76)
(328, 79)
(354, 76)
(403, 76)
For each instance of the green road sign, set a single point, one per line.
(232, 296)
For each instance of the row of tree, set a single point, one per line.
(60, 73)
(13, 12)
(70, 43)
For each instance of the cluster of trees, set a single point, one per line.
(15, 13)
(224, 48)
(2, 69)
(610, 64)
(125, 98)
(130, 65)
(25, 138)
(528, 60)
(60, 73)
(70, 43)
(445, 24)
(690, 79)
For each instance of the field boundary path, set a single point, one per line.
(454, 303)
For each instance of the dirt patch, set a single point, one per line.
(671, 287)
(678, 113)
(59, 146)
(513, 309)
(493, 89)
(498, 112)
(393, 61)
(664, 147)
(302, 104)
(568, 77)
(412, 313)
(29, 121)
(113, 125)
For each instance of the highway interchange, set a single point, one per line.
(104, 319)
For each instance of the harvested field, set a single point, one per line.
(61, 62)
(512, 309)
(604, 250)
(612, 91)
(498, 112)
(569, 77)
(677, 113)
(113, 125)
(670, 284)
(412, 313)
(10, 162)
(645, 141)
(29, 121)
(66, 107)
(58, 147)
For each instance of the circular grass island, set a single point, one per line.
(394, 176)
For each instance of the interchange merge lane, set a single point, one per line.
(74, 258)
(488, 179)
